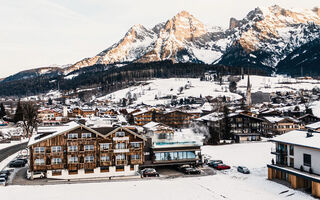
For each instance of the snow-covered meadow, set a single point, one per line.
(159, 88)
(225, 185)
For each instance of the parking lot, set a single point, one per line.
(18, 176)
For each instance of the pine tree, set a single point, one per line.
(50, 101)
(226, 128)
(18, 116)
(2, 111)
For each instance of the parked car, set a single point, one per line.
(24, 160)
(181, 168)
(191, 170)
(5, 176)
(214, 163)
(243, 170)
(35, 175)
(3, 182)
(222, 167)
(5, 172)
(149, 172)
(17, 163)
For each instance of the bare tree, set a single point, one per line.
(30, 117)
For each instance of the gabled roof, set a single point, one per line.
(123, 128)
(59, 130)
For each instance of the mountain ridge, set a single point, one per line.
(263, 38)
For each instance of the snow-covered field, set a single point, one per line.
(167, 87)
(225, 185)
(276, 83)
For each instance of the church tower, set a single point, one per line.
(248, 92)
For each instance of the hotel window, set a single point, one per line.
(120, 134)
(86, 135)
(135, 144)
(39, 161)
(104, 146)
(72, 135)
(55, 149)
(121, 157)
(73, 160)
(291, 150)
(39, 150)
(88, 147)
(72, 148)
(135, 157)
(56, 160)
(89, 159)
(307, 160)
(120, 145)
(105, 158)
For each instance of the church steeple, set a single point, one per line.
(248, 91)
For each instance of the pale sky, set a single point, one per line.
(37, 33)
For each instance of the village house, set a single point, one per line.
(308, 119)
(173, 118)
(245, 127)
(297, 160)
(279, 125)
(77, 151)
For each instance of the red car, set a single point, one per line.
(222, 167)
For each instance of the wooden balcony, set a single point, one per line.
(105, 163)
(121, 162)
(136, 162)
(55, 166)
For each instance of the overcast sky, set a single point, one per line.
(36, 33)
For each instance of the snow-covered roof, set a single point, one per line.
(299, 137)
(56, 130)
(276, 119)
(314, 125)
(151, 124)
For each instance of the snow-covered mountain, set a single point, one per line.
(262, 39)
(267, 35)
(52, 70)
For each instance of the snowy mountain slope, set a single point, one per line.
(267, 35)
(263, 38)
(260, 40)
(305, 60)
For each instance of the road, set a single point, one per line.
(6, 152)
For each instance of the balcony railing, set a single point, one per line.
(278, 151)
(121, 162)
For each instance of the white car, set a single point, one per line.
(3, 182)
(35, 175)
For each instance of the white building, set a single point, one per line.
(297, 160)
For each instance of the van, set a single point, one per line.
(35, 175)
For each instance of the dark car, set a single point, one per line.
(7, 172)
(243, 170)
(214, 163)
(5, 176)
(17, 163)
(24, 160)
(191, 170)
(148, 172)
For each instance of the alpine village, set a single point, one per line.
(178, 103)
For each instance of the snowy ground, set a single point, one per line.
(225, 185)
(165, 87)
(277, 83)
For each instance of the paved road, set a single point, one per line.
(6, 152)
